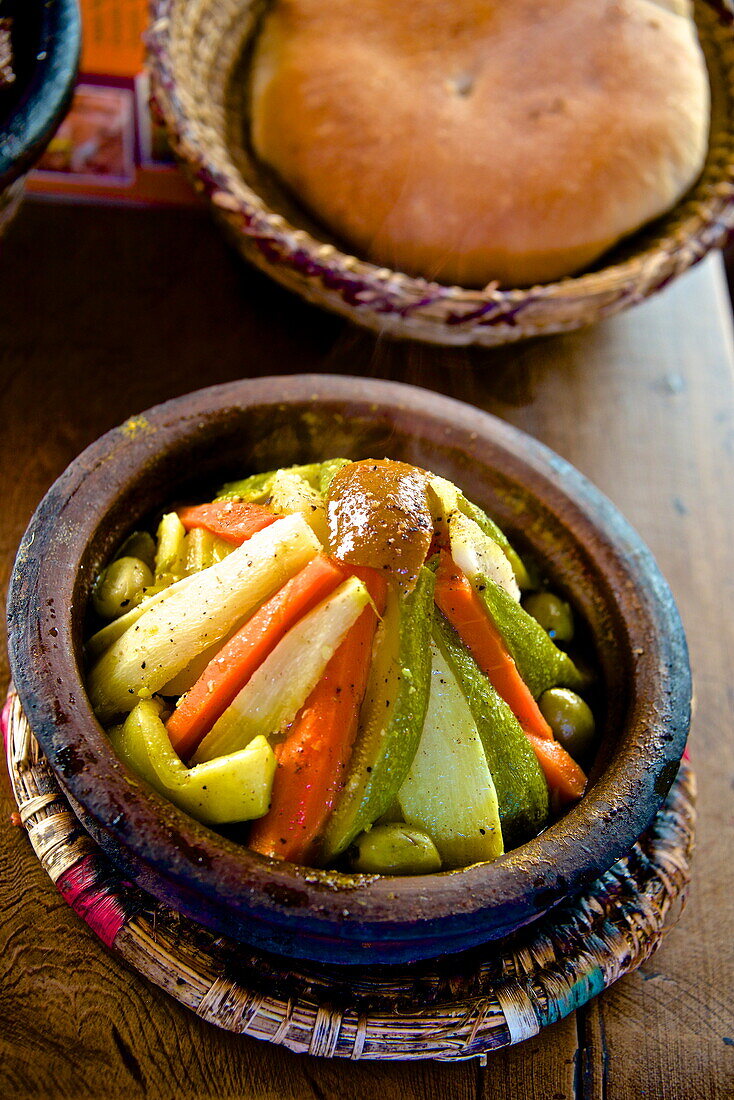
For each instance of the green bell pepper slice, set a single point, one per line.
(227, 789)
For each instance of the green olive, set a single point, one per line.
(140, 544)
(395, 849)
(120, 587)
(570, 718)
(553, 614)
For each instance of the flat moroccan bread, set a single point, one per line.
(480, 140)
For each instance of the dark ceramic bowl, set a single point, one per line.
(45, 37)
(584, 545)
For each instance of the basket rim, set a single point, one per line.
(368, 287)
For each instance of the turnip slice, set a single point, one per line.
(477, 555)
(109, 633)
(196, 614)
(290, 493)
(213, 548)
(278, 689)
(480, 544)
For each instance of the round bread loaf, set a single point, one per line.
(481, 140)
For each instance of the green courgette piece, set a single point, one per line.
(256, 488)
(541, 664)
(121, 586)
(170, 551)
(395, 849)
(253, 489)
(392, 716)
(140, 544)
(449, 792)
(328, 472)
(202, 549)
(521, 788)
(290, 492)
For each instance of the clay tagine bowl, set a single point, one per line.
(588, 551)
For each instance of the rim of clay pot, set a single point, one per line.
(45, 98)
(583, 543)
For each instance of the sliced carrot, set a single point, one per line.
(228, 672)
(231, 520)
(562, 774)
(463, 608)
(312, 761)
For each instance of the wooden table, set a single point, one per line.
(105, 312)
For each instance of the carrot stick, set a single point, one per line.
(463, 608)
(312, 761)
(562, 773)
(228, 672)
(229, 519)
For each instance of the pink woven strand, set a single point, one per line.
(96, 904)
(5, 719)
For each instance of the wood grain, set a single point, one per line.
(105, 312)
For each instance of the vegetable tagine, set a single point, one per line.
(351, 657)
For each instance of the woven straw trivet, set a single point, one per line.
(458, 1007)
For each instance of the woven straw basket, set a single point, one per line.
(463, 1006)
(198, 52)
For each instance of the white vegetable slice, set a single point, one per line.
(449, 792)
(217, 548)
(104, 638)
(170, 550)
(184, 680)
(446, 496)
(202, 549)
(289, 492)
(473, 550)
(275, 693)
(195, 615)
(476, 554)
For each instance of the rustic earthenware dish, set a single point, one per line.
(588, 550)
(35, 92)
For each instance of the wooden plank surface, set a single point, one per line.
(105, 312)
